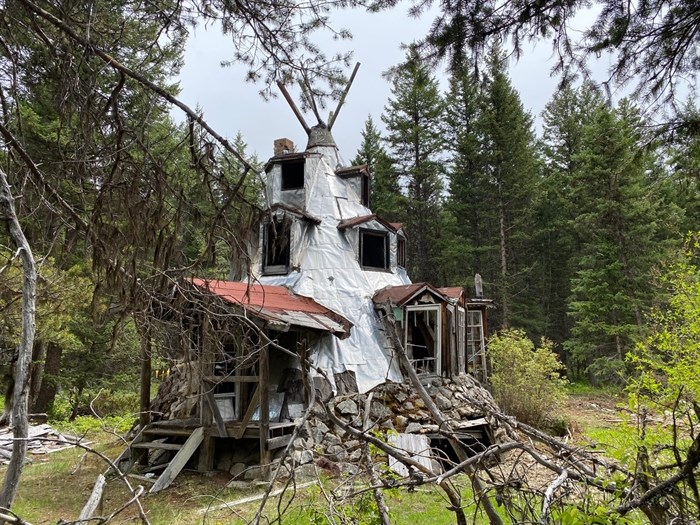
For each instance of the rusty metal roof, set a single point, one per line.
(453, 292)
(400, 295)
(278, 305)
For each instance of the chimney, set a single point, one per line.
(282, 146)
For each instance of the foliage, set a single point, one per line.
(413, 117)
(620, 238)
(668, 360)
(607, 371)
(665, 391)
(653, 43)
(526, 381)
(386, 199)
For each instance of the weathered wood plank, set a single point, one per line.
(93, 501)
(278, 442)
(155, 445)
(179, 461)
(220, 425)
(265, 455)
(248, 413)
(232, 379)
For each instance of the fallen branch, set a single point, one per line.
(549, 494)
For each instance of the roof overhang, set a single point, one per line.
(277, 306)
(362, 219)
(405, 293)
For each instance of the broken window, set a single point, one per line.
(422, 336)
(401, 251)
(374, 249)
(276, 247)
(293, 174)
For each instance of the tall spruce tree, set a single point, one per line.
(413, 118)
(684, 166)
(563, 122)
(386, 199)
(510, 168)
(619, 238)
(465, 242)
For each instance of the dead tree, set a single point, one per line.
(20, 394)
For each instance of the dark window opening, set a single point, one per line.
(401, 252)
(365, 190)
(374, 249)
(276, 247)
(293, 175)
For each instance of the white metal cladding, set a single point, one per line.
(326, 268)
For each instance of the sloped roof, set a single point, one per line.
(352, 171)
(295, 211)
(278, 304)
(453, 292)
(400, 295)
(356, 221)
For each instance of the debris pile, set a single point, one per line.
(42, 439)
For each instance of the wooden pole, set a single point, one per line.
(264, 389)
(146, 365)
(334, 115)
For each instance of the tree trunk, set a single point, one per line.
(37, 372)
(49, 384)
(504, 262)
(20, 397)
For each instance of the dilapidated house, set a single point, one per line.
(326, 281)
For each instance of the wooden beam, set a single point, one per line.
(334, 115)
(93, 502)
(278, 442)
(179, 461)
(145, 390)
(248, 413)
(265, 456)
(232, 379)
(220, 425)
(294, 107)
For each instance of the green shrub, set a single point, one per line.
(526, 381)
(86, 425)
(109, 403)
(606, 371)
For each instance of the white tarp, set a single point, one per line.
(326, 268)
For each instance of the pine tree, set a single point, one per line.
(684, 165)
(413, 118)
(564, 119)
(617, 225)
(510, 167)
(385, 198)
(463, 248)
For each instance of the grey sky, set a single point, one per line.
(231, 105)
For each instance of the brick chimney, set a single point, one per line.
(282, 146)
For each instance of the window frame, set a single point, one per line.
(285, 168)
(401, 251)
(387, 253)
(281, 227)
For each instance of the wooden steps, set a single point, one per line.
(156, 445)
(163, 440)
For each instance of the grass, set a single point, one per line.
(56, 486)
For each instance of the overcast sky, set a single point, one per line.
(231, 105)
